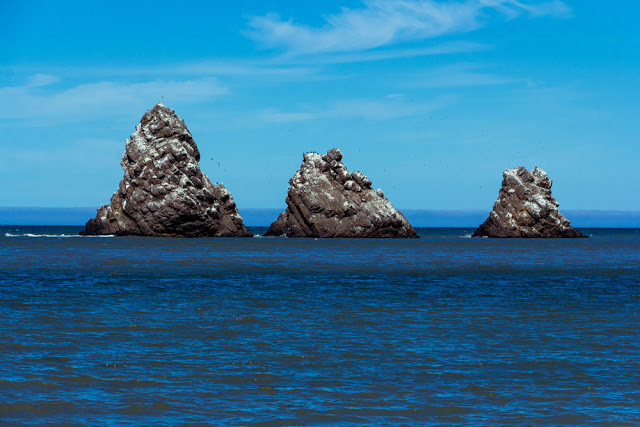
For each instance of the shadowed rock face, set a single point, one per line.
(163, 192)
(525, 208)
(325, 200)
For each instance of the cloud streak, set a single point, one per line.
(394, 106)
(38, 103)
(389, 54)
(385, 22)
(457, 76)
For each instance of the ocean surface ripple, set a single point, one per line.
(273, 331)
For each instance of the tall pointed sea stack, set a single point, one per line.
(163, 192)
(525, 208)
(325, 200)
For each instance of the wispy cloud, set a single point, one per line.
(40, 80)
(384, 22)
(388, 54)
(270, 69)
(265, 68)
(96, 152)
(390, 107)
(458, 76)
(549, 8)
(37, 103)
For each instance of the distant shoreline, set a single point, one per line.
(260, 217)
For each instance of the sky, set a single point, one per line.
(432, 100)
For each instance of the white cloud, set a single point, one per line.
(39, 80)
(384, 22)
(550, 8)
(457, 75)
(38, 103)
(389, 54)
(390, 107)
(267, 69)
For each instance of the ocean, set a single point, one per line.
(270, 331)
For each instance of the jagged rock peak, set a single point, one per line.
(526, 208)
(325, 200)
(163, 192)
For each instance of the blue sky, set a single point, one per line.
(431, 99)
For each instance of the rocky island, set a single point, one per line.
(525, 208)
(163, 192)
(325, 200)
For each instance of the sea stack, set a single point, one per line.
(525, 208)
(325, 200)
(163, 192)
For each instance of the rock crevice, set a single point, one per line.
(163, 192)
(526, 208)
(325, 200)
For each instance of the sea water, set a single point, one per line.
(271, 331)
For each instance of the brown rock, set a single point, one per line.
(325, 200)
(163, 192)
(525, 208)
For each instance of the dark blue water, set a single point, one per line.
(439, 330)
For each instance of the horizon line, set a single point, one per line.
(261, 217)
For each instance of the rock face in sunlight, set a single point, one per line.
(163, 192)
(325, 200)
(525, 208)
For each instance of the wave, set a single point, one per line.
(51, 235)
